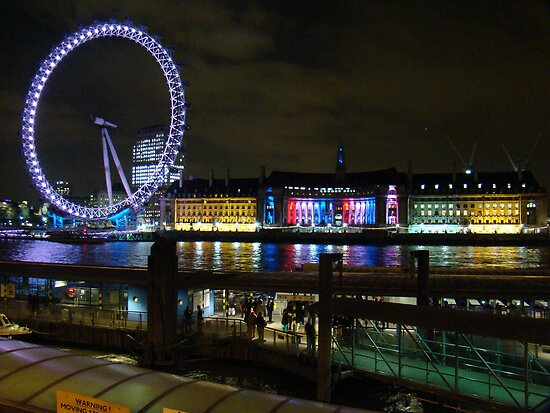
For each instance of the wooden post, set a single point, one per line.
(161, 304)
(324, 358)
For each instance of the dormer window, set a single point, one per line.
(422, 186)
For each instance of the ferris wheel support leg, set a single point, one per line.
(118, 165)
(107, 166)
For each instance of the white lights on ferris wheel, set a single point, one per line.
(177, 120)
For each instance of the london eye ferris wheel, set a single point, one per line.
(133, 200)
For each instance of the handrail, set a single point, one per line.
(490, 369)
(428, 357)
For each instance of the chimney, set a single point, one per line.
(262, 174)
(211, 179)
(227, 178)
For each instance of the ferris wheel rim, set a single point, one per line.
(176, 128)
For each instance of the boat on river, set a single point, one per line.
(75, 237)
(8, 329)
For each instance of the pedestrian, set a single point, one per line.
(187, 320)
(199, 320)
(259, 306)
(270, 307)
(251, 324)
(231, 304)
(284, 320)
(244, 305)
(310, 336)
(260, 323)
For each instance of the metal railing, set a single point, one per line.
(513, 377)
(71, 314)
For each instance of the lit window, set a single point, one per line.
(436, 186)
(494, 186)
(523, 185)
(422, 186)
(479, 186)
(465, 186)
(509, 186)
(450, 186)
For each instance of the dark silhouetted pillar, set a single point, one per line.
(324, 355)
(162, 304)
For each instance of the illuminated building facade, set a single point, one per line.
(339, 199)
(63, 188)
(8, 212)
(493, 202)
(101, 198)
(210, 205)
(147, 153)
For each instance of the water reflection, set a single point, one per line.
(246, 256)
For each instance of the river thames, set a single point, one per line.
(255, 256)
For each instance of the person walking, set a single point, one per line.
(270, 307)
(251, 324)
(199, 319)
(187, 320)
(260, 323)
(310, 336)
(284, 320)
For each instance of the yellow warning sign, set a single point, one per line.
(296, 297)
(68, 402)
(167, 410)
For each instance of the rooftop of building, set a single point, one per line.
(388, 176)
(215, 187)
(476, 182)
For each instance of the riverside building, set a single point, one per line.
(211, 205)
(334, 200)
(484, 202)
(490, 202)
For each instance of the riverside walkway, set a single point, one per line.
(509, 374)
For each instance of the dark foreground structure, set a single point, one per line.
(479, 356)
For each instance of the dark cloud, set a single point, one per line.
(283, 83)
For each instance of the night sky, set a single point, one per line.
(283, 83)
